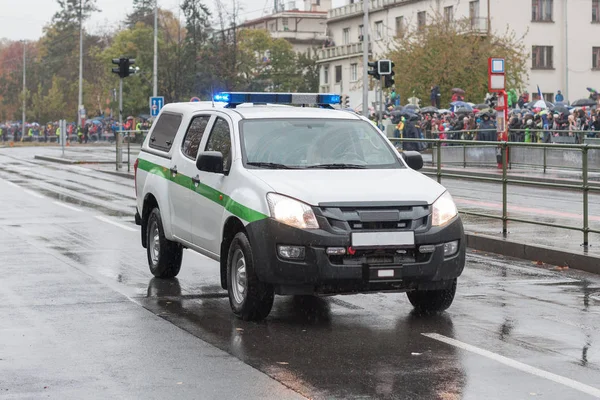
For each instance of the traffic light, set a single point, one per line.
(373, 70)
(125, 67)
(384, 67)
(389, 79)
(345, 101)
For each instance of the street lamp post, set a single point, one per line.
(365, 42)
(24, 88)
(155, 71)
(80, 103)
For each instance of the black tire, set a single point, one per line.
(432, 301)
(165, 259)
(255, 301)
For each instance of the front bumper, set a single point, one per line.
(320, 273)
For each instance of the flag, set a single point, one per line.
(540, 93)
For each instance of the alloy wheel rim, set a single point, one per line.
(239, 281)
(154, 243)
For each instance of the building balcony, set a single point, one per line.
(352, 10)
(340, 52)
(478, 26)
(296, 36)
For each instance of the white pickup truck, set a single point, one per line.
(294, 200)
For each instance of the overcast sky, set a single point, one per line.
(24, 19)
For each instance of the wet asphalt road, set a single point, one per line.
(83, 318)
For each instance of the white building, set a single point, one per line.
(305, 29)
(563, 41)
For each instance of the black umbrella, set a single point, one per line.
(458, 91)
(584, 103)
(411, 107)
(559, 109)
(482, 106)
(429, 110)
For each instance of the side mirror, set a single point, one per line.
(414, 159)
(210, 161)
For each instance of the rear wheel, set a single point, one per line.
(432, 301)
(250, 299)
(164, 256)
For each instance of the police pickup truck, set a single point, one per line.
(294, 200)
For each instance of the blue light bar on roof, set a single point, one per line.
(276, 98)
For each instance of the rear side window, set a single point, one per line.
(164, 132)
(193, 137)
(220, 140)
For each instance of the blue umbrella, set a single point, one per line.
(461, 105)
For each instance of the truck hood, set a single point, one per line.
(352, 185)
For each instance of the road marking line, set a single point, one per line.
(582, 387)
(11, 183)
(58, 203)
(108, 221)
(34, 194)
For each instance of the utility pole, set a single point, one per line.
(365, 105)
(80, 103)
(24, 87)
(567, 53)
(155, 72)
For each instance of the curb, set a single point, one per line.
(115, 173)
(547, 255)
(470, 175)
(70, 162)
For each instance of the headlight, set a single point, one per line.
(291, 212)
(444, 210)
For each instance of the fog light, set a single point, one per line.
(450, 248)
(428, 248)
(291, 252)
(335, 251)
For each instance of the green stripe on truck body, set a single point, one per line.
(237, 209)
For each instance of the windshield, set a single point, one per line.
(315, 143)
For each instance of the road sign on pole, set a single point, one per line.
(496, 75)
(156, 104)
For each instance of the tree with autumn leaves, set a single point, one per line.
(454, 55)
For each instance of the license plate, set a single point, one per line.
(383, 239)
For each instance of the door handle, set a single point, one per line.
(173, 170)
(196, 180)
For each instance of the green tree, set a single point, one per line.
(197, 27)
(454, 55)
(143, 11)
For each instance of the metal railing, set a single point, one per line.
(504, 147)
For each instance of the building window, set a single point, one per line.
(285, 22)
(595, 10)
(360, 33)
(326, 75)
(448, 14)
(272, 27)
(338, 73)
(474, 12)
(400, 26)
(541, 57)
(421, 19)
(549, 97)
(596, 58)
(353, 72)
(541, 10)
(378, 30)
(346, 36)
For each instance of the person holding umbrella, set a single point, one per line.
(457, 95)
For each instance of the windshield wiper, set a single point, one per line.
(337, 166)
(269, 165)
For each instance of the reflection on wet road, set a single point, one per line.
(515, 331)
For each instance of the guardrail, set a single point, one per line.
(504, 147)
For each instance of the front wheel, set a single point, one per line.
(250, 299)
(164, 256)
(432, 301)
